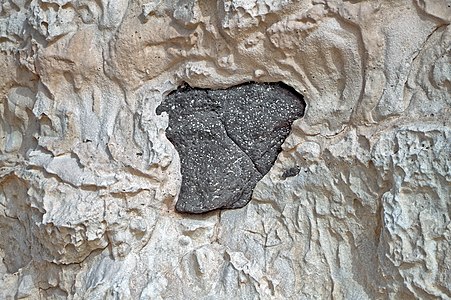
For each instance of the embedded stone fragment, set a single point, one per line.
(227, 140)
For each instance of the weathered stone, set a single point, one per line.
(89, 182)
(227, 140)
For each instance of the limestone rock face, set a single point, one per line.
(356, 206)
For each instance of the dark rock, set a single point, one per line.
(291, 172)
(227, 140)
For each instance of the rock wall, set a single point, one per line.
(89, 180)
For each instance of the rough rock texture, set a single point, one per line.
(89, 181)
(227, 140)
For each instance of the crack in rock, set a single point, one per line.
(227, 140)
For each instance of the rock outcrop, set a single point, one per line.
(356, 205)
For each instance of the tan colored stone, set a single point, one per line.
(88, 180)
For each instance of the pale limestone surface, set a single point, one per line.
(89, 181)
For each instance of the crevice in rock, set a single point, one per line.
(238, 145)
(227, 140)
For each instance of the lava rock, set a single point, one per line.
(227, 140)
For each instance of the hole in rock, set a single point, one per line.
(227, 140)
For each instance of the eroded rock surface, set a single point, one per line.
(356, 205)
(227, 140)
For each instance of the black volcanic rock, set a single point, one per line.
(227, 140)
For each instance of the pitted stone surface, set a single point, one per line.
(356, 205)
(227, 140)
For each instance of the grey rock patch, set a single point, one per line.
(227, 140)
(291, 172)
